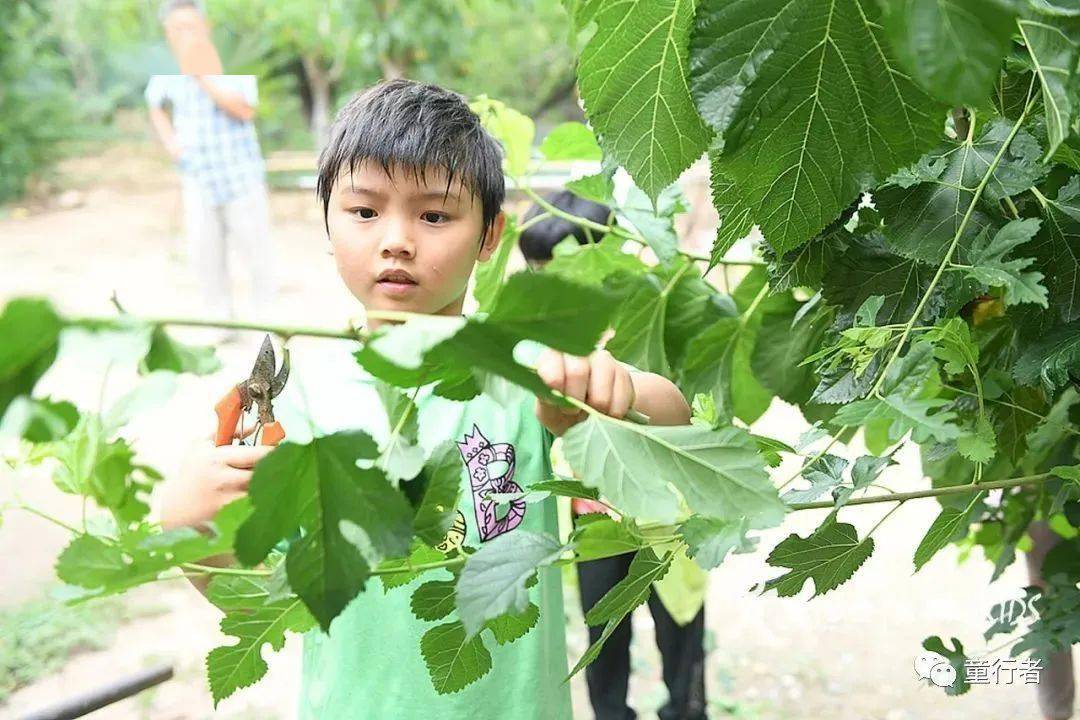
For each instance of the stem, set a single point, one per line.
(832, 441)
(884, 518)
(533, 220)
(211, 570)
(762, 293)
(955, 241)
(285, 331)
(422, 567)
(932, 492)
(45, 516)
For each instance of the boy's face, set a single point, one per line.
(401, 245)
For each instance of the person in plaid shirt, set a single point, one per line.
(209, 131)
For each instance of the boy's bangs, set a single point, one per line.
(407, 127)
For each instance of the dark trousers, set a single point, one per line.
(681, 649)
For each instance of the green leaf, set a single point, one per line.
(628, 593)
(599, 187)
(142, 554)
(165, 353)
(1052, 358)
(509, 627)
(956, 658)
(1057, 252)
(39, 420)
(1054, 47)
(1066, 472)
(453, 660)
(462, 352)
(657, 225)
(104, 470)
(783, 342)
(564, 487)
(718, 473)
(829, 556)
(493, 579)
(570, 141)
(950, 525)
(718, 362)
(490, 274)
(864, 473)
(600, 536)
(925, 206)
(31, 331)
(990, 267)
(433, 600)
(812, 107)
(632, 79)
(592, 263)
(981, 445)
(953, 345)
(351, 518)
(512, 129)
(255, 622)
(400, 457)
(709, 541)
(865, 267)
(907, 414)
(823, 474)
(398, 572)
(952, 48)
(639, 321)
(633, 590)
(437, 508)
(154, 390)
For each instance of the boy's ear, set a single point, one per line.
(494, 235)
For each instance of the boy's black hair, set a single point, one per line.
(538, 240)
(415, 127)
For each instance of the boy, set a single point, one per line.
(411, 189)
(680, 641)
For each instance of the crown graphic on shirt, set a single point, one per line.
(474, 443)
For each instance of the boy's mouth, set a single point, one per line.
(396, 282)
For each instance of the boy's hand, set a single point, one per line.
(210, 478)
(597, 380)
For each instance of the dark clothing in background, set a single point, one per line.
(681, 649)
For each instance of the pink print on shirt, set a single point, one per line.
(491, 470)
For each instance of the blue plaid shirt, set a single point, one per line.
(219, 151)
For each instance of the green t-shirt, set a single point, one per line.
(369, 665)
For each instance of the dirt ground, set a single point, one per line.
(847, 655)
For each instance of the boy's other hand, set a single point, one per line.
(598, 380)
(210, 478)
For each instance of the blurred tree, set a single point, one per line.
(338, 46)
(35, 98)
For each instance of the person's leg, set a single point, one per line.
(609, 675)
(682, 650)
(1057, 687)
(203, 223)
(248, 218)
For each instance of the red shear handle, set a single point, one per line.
(228, 411)
(272, 434)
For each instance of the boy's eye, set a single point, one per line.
(435, 218)
(365, 213)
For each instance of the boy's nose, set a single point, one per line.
(396, 242)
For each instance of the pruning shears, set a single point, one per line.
(259, 389)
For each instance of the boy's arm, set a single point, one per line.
(607, 385)
(233, 103)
